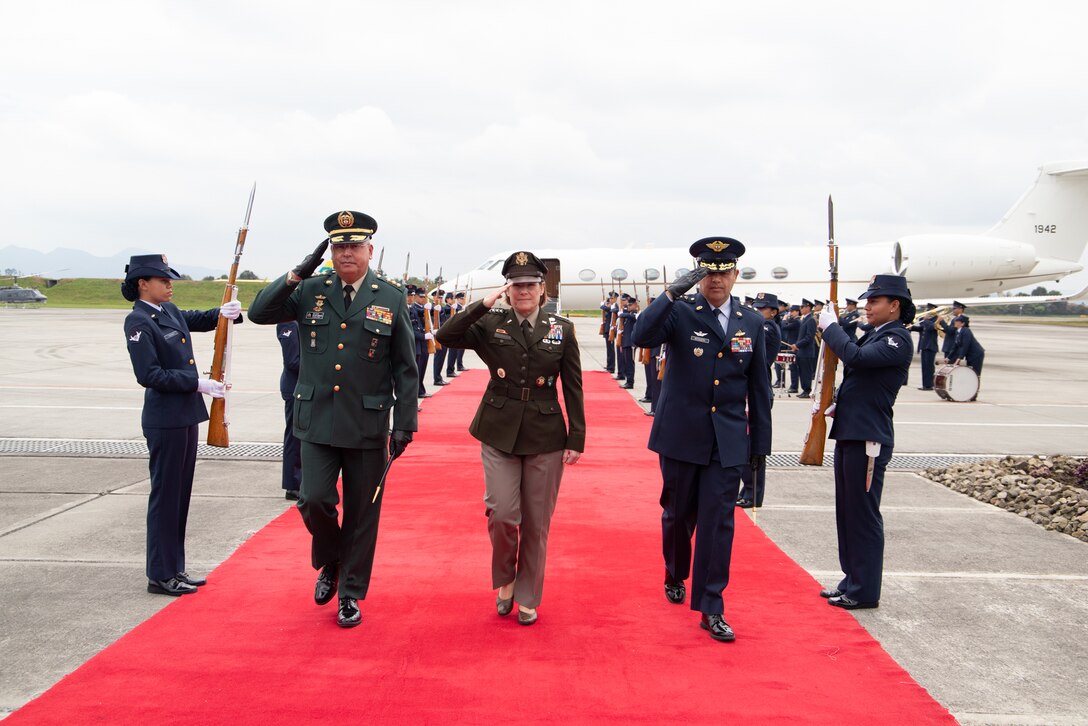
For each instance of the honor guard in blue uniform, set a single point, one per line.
(753, 482)
(607, 326)
(160, 346)
(873, 372)
(927, 347)
(287, 334)
(417, 297)
(949, 329)
(849, 320)
(358, 365)
(439, 314)
(806, 348)
(965, 349)
(627, 348)
(653, 385)
(713, 418)
(452, 307)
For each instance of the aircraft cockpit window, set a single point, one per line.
(619, 274)
(650, 274)
(492, 265)
(748, 273)
(780, 273)
(587, 275)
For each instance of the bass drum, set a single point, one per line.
(956, 383)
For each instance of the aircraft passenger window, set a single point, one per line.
(780, 273)
(650, 274)
(747, 273)
(619, 274)
(587, 275)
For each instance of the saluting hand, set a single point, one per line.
(686, 281)
(311, 261)
(493, 297)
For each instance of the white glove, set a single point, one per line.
(208, 387)
(829, 412)
(827, 317)
(428, 306)
(230, 310)
(428, 336)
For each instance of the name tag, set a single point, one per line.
(501, 334)
(741, 345)
(380, 314)
(171, 334)
(697, 339)
(311, 315)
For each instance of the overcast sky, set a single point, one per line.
(467, 127)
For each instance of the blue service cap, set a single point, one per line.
(766, 300)
(717, 254)
(887, 286)
(149, 266)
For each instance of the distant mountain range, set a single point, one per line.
(63, 262)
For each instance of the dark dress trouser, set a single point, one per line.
(292, 454)
(609, 355)
(928, 358)
(857, 519)
(172, 462)
(421, 368)
(699, 499)
(352, 542)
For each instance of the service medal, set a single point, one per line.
(698, 352)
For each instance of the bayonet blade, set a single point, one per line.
(249, 207)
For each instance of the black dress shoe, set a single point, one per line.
(425, 395)
(744, 503)
(831, 592)
(503, 607)
(791, 390)
(847, 604)
(441, 383)
(326, 583)
(805, 395)
(718, 628)
(291, 494)
(348, 615)
(628, 387)
(925, 388)
(462, 370)
(649, 413)
(172, 587)
(194, 581)
(525, 618)
(644, 400)
(674, 591)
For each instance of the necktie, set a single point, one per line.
(526, 329)
(348, 289)
(723, 322)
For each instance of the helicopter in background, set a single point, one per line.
(15, 293)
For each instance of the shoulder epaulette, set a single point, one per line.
(497, 311)
(688, 299)
(390, 281)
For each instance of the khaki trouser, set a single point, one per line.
(520, 498)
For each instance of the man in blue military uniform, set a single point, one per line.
(417, 297)
(849, 319)
(754, 481)
(607, 324)
(653, 385)
(287, 334)
(927, 347)
(439, 314)
(791, 325)
(161, 350)
(965, 349)
(702, 432)
(873, 372)
(805, 347)
(358, 365)
(627, 348)
(949, 329)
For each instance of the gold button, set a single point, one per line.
(713, 409)
(337, 366)
(298, 395)
(183, 340)
(716, 381)
(719, 355)
(343, 325)
(336, 388)
(190, 361)
(340, 346)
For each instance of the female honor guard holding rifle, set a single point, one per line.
(525, 441)
(873, 371)
(161, 351)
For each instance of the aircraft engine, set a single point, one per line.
(939, 258)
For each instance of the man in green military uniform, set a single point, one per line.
(357, 363)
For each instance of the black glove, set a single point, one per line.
(312, 260)
(398, 442)
(687, 281)
(758, 461)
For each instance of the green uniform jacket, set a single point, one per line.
(355, 365)
(520, 412)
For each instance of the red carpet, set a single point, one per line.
(252, 648)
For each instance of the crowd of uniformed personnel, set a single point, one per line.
(358, 346)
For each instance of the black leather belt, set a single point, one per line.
(523, 394)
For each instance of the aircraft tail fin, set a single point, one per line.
(1053, 214)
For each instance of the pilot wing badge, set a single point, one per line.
(892, 342)
(135, 337)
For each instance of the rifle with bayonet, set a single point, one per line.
(645, 354)
(426, 313)
(219, 420)
(812, 454)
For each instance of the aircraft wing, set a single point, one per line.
(973, 302)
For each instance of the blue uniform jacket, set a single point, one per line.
(949, 338)
(790, 326)
(772, 336)
(965, 346)
(927, 334)
(849, 322)
(161, 349)
(628, 323)
(287, 333)
(709, 377)
(416, 314)
(606, 318)
(874, 368)
(806, 337)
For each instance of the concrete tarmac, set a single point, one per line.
(983, 608)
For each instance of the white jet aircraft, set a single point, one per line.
(1040, 239)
